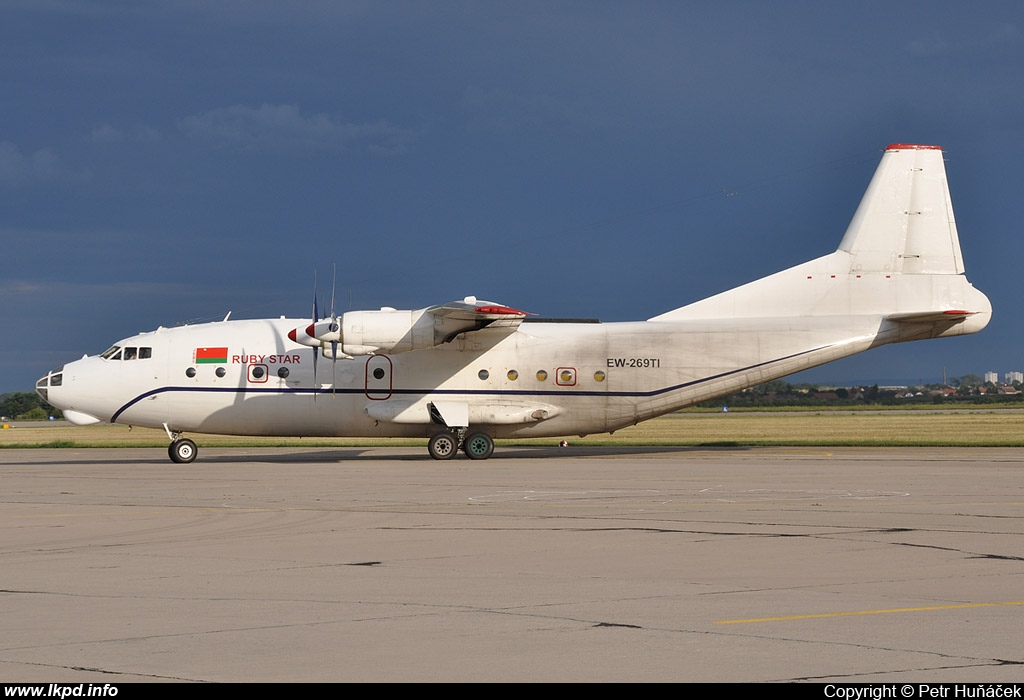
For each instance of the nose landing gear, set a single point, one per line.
(181, 450)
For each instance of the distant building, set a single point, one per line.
(991, 377)
(1012, 377)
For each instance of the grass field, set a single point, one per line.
(941, 427)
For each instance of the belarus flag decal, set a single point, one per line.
(211, 356)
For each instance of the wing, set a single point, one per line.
(472, 314)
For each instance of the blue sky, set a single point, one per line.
(164, 162)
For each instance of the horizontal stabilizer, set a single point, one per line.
(952, 316)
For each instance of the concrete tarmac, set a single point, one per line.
(847, 565)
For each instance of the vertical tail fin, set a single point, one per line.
(904, 223)
(899, 259)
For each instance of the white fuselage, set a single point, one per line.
(543, 379)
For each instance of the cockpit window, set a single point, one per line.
(127, 353)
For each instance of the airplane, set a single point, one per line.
(464, 373)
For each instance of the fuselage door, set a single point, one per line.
(378, 377)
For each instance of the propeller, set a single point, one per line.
(333, 329)
(316, 350)
(319, 332)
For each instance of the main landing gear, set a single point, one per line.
(446, 445)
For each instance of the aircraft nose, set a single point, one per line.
(53, 378)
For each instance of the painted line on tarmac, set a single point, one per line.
(786, 618)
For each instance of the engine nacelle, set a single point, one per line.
(369, 333)
(387, 331)
(391, 331)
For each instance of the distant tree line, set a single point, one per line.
(968, 389)
(26, 405)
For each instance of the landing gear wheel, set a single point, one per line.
(478, 446)
(182, 451)
(443, 446)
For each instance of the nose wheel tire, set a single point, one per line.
(443, 446)
(478, 446)
(182, 451)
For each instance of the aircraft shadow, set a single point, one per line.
(240, 455)
(379, 454)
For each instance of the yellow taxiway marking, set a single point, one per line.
(869, 612)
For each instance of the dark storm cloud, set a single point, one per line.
(284, 129)
(166, 161)
(17, 168)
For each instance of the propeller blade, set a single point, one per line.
(334, 366)
(334, 329)
(334, 284)
(316, 313)
(316, 348)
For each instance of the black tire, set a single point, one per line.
(478, 446)
(182, 451)
(443, 446)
